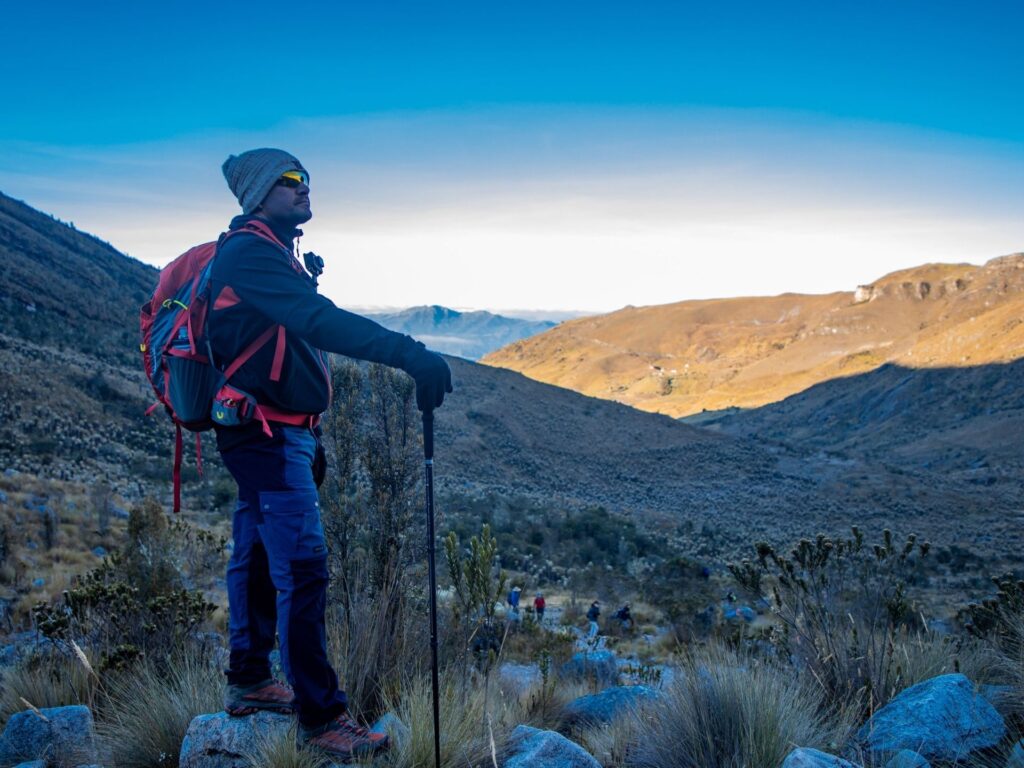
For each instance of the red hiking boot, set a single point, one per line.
(268, 696)
(343, 738)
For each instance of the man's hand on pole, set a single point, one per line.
(433, 379)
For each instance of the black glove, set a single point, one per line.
(433, 379)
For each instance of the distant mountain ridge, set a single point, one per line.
(463, 334)
(685, 358)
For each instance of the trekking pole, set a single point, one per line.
(428, 455)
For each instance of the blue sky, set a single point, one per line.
(569, 155)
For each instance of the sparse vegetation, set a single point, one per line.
(842, 606)
(726, 710)
(145, 713)
(133, 604)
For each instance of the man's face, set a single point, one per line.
(287, 203)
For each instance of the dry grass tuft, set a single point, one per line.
(732, 712)
(45, 680)
(474, 724)
(613, 744)
(279, 751)
(147, 711)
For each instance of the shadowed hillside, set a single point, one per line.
(502, 431)
(963, 422)
(61, 287)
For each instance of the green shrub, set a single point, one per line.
(998, 618)
(842, 606)
(475, 577)
(134, 603)
(106, 613)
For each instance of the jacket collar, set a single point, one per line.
(286, 235)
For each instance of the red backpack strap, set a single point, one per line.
(268, 413)
(177, 468)
(178, 451)
(249, 351)
(275, 369)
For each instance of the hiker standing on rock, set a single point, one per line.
(593, 614)
(265, 311)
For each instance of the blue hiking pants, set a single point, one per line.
(277, 574)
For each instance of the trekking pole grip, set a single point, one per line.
(428, 435)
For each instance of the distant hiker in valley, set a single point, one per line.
(269, 333)
(539, 604)
(513, 599)
(624, 616)
(593, 614)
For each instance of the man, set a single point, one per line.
(593, 614)
(624, 616)
(539, 605)
(265, 311)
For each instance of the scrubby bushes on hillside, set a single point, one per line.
(845, 610)
(136, 602)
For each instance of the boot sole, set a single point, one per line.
(252, 709)
(344, 757)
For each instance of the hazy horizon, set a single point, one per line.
(584, 157)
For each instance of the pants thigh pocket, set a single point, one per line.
(299, 453)
(291, 528)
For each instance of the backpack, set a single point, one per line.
(178, 359)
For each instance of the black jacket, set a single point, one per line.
(255, 284)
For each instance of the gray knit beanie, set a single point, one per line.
(252, 174)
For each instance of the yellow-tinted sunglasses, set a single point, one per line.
(293, 179)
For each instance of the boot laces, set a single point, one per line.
(347, 723)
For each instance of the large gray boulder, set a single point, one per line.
(594, 665)
(534, 748)
(907, 759)
(805, 757)
(942, 719)
(518, 679)
(609, 704)
(222, 741)
(62, 735)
